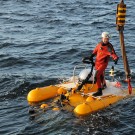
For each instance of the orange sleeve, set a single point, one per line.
(113, 54)
(96, 49)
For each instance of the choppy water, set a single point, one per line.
(40, 43)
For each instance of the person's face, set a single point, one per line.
(105, 40)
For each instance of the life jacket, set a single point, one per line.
(103, 52)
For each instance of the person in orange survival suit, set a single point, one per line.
(103, 51)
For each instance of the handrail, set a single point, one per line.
(79, 65)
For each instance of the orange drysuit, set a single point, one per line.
(103, 52)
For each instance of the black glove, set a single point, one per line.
(91, 57)
(115, 61)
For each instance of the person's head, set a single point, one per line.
(105, 37)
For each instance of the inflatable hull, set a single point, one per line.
(82, 102)
(40, 94)
(93, 104)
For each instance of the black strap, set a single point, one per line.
(87, 78)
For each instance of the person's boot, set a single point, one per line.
(98, 93)
(104, 86)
